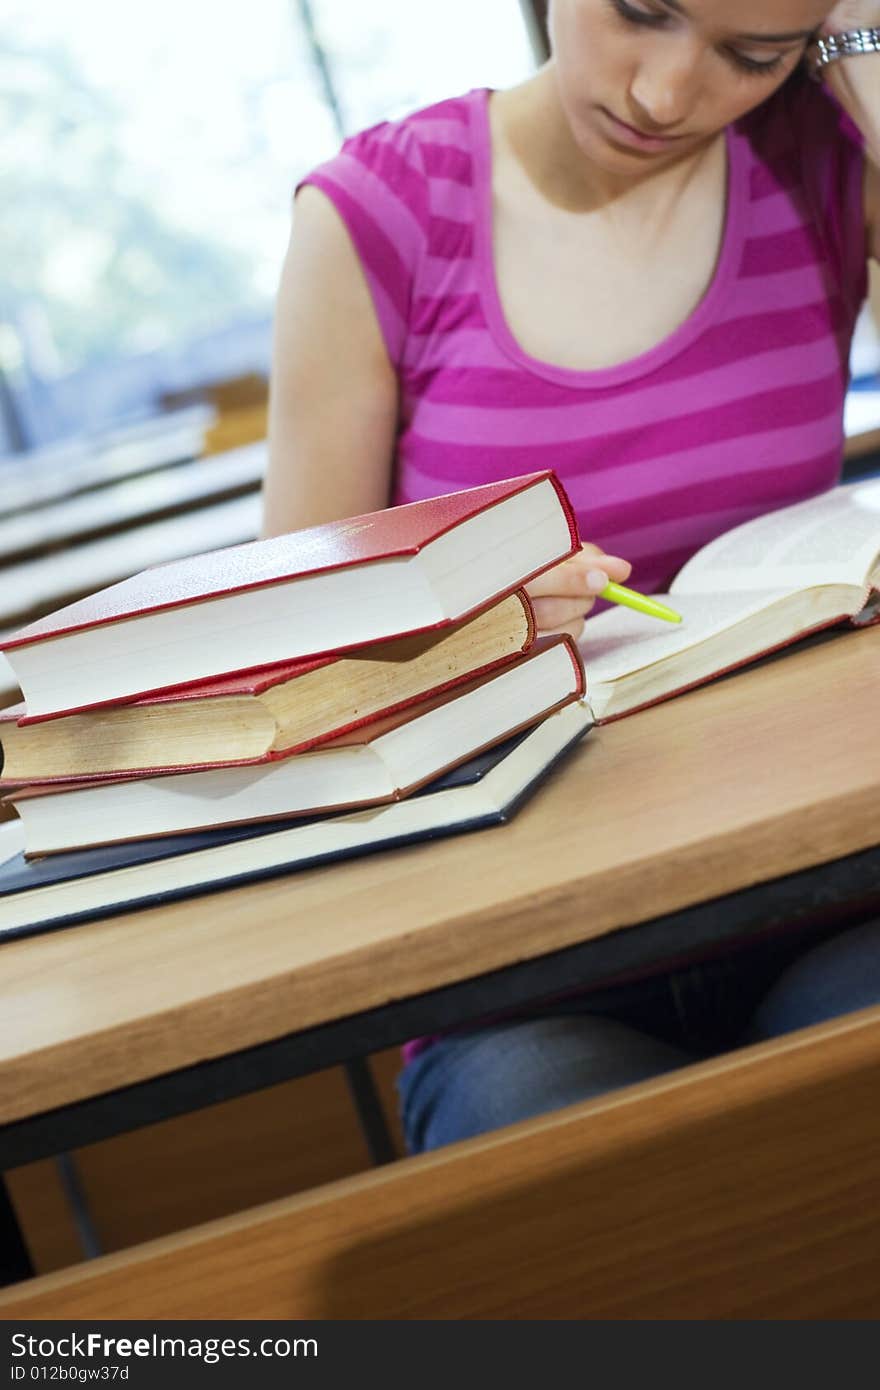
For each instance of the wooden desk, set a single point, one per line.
(746, 805)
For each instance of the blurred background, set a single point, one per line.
(146, 171)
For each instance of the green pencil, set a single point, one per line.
(617, 593)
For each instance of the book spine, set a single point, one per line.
(578, 664)
(570, 516)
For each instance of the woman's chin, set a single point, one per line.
(603, 152)
(610, 158)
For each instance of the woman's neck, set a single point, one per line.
(530, 124)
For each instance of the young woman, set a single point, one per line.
(642, 268)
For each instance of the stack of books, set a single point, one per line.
(286, 702)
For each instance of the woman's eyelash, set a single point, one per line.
(636, 16)
(752, 66)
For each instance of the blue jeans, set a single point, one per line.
(568, 1050)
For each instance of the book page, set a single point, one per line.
(832, 539)
(11, 840)
(618, 642)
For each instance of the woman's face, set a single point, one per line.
(645, 82)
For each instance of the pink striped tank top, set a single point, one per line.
(738, 411)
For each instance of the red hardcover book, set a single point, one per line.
(324, 590)
(384, 761)
(264, 714)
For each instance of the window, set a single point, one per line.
(146, 170)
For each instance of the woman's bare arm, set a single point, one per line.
(333, 396)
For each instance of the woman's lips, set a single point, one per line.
(624, 134)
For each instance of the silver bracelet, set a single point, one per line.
(827, 48)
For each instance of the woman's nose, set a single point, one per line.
(664, 89)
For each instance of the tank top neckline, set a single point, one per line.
(723, 277)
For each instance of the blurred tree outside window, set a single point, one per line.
(147, 162)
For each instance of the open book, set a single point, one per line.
(758, 587)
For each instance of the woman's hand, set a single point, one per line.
(562, 597)
(851, 14)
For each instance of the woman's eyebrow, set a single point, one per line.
(791, 37)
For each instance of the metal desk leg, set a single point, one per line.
(15, 1262)
(369, 1110)
(68, 1176)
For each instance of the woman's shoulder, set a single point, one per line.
(392, 184)
(427, 139)
(402, 172)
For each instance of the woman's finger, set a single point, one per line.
(585, 573)
(569, 581)
(614, 566)
(574, 628)
(552, 613)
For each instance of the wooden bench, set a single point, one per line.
(36, 587)
(112, 509)
(743, 1187)
(74, 466)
